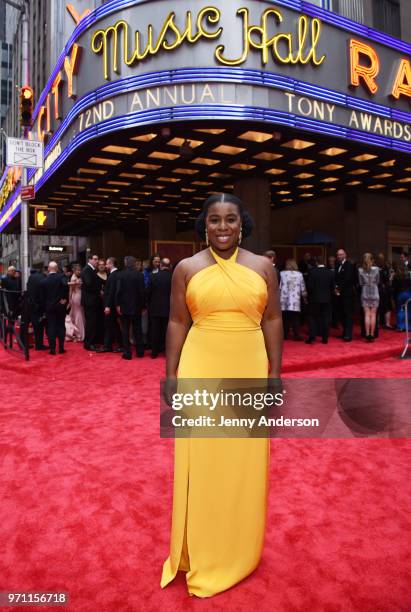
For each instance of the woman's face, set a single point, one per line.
(101, 265)
(77, 271)
(223, 224)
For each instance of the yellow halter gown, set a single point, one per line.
(220, 485)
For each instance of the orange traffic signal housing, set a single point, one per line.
(26, 106)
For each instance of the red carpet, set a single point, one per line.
(86, 482)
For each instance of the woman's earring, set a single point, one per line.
(240, 237)
(206, 237)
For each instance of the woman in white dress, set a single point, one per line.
(292, 289)
(75, 324)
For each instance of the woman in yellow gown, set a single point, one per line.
(225, 322)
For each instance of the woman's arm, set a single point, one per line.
(272, 324)
(179, 321)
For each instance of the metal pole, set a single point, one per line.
(24, 204)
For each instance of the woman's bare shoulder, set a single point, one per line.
(186, 268)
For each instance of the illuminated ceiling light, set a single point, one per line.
(205, 161)
(274, 171)
(72, 193)
(147, 186)
(92, 171)
(352, 183)
(306, 195)
(331, 151)
(398, 189)
(143, 166)
(378, 186)
(147, 205)
(105, 161)
(304, 186)
(384, 175)
(227, 150)
(301, 161)
(267, 156)
(132, 175)
(187, 189)
(185, 171)
(286, 200)
(108, 190)
(91, 201)
(330, 179)
(59, 199)
(226, 187)
(404, 180)
(170, 195)
(283, 192)
(255, 136)
(209, 131)
(118, 183)
(198, 198)
(359, 171)
(298, 144)
(280, 183)
(363, 157)
(178, 142)
(332, 167)
(303, 175)
(164, 155)
(242, 166)
(72, 186)
(118, 149)
(408, 169)
(144, 137)
(81, 180)
(168, 179)
(330, 189)
(219, 175)
(202, 183)
(389, 163)
(98, 195)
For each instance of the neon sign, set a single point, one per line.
(286, 48)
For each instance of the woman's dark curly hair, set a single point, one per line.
(246, 221)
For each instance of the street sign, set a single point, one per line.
(45, 218)
(27, 192)
(25, 153)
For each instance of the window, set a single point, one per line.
(325, 4)
(387, 16)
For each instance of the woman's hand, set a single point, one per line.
(169, 388)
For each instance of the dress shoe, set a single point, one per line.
(324, 341)
(140, 354)
(154, 355)
(62, 350)
(347, 339)
(40, 348)
(309, 341)
(128, 357)
(104, 350)
(117, 350)
(52, 351)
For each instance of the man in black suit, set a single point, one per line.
(129, 304)
(55, 293)
(112, 331)
(320, 287)
(405, 260)
(90, 300)
(36, 314)
(158, 303)
(345, 280)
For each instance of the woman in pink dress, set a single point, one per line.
(75, 320)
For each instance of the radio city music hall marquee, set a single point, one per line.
(295, 63)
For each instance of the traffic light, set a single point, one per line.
(26, 106)
(45, 218)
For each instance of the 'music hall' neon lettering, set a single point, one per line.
(286, 48)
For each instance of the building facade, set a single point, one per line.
(300, 108)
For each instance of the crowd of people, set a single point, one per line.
(327, 295)
(112, 310)
(107, 309)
